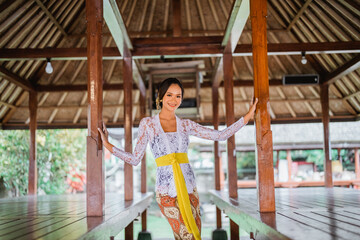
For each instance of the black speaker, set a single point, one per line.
(304, 79)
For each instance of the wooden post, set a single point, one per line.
(95, 171)
(143, 163)
(215, 102)
(230, 119)
(339, 155)
(324, 92)
(289, 160)
(264, 145)
(176, 18)
(357, 164)
(32, 184)
(150, 94)
(197, 93)
(128, 169)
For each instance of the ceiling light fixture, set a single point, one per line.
(49, 69)
(303, 58)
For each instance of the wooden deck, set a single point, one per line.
(64, 217)
(301, 213)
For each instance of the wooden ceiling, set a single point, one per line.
(30, 31)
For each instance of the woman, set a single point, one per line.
(168, 136)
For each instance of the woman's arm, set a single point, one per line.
(211, 134)
(131, 158)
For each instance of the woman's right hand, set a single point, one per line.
(104, 133)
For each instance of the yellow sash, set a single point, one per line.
(174, 159)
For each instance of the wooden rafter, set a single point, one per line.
(299, 14)
(118, 30)
(345, 69)
(203, 101)
(17, 80)
(183, 46)
(119, 86)
(239, 14)
(52, 18)
(236, 23)
(176, 6)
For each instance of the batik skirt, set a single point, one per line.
(170, 209)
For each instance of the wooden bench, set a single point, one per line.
(301, 213)
(64, 216)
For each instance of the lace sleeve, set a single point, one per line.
(142, 140)
(197, 130)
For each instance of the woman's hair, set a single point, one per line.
(164, 86)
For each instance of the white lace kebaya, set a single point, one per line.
(163, 143)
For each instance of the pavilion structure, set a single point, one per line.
(108, 56)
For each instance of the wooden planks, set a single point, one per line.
(302, 213)
(65, 217)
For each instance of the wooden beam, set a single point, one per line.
(138, 79)
(17, 80)
(184, 46)
(264, 145)
(324, 93)
(176, 7)
(230, 119)
(32, 184)
(298, 15)
(120, 86)
(217, 74)
(238, 17)
(52, 18)
(357, 163)
(118, 30)
(143, 165)
(117, 26)
(289, 161)
(215, 107)
(128, 169)
(345, 69)
(95, 174)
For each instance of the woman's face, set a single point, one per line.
(172, 98)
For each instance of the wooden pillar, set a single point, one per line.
(339, 156)
(264, 145)
(143, 164)
(95, 171)
(324, 92)
(128, 169)
(32, 184)
(150, 94)
(176, 18)
(357, 164)
(230, 119)
(289, 160)
(197, 76)
(215, 102)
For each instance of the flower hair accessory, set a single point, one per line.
(158, 101)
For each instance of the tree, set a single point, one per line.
(60, 157)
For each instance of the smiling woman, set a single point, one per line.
(168, 135)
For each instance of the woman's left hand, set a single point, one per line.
(250, 114)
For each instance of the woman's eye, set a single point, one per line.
(169, 95)
(178, 97)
